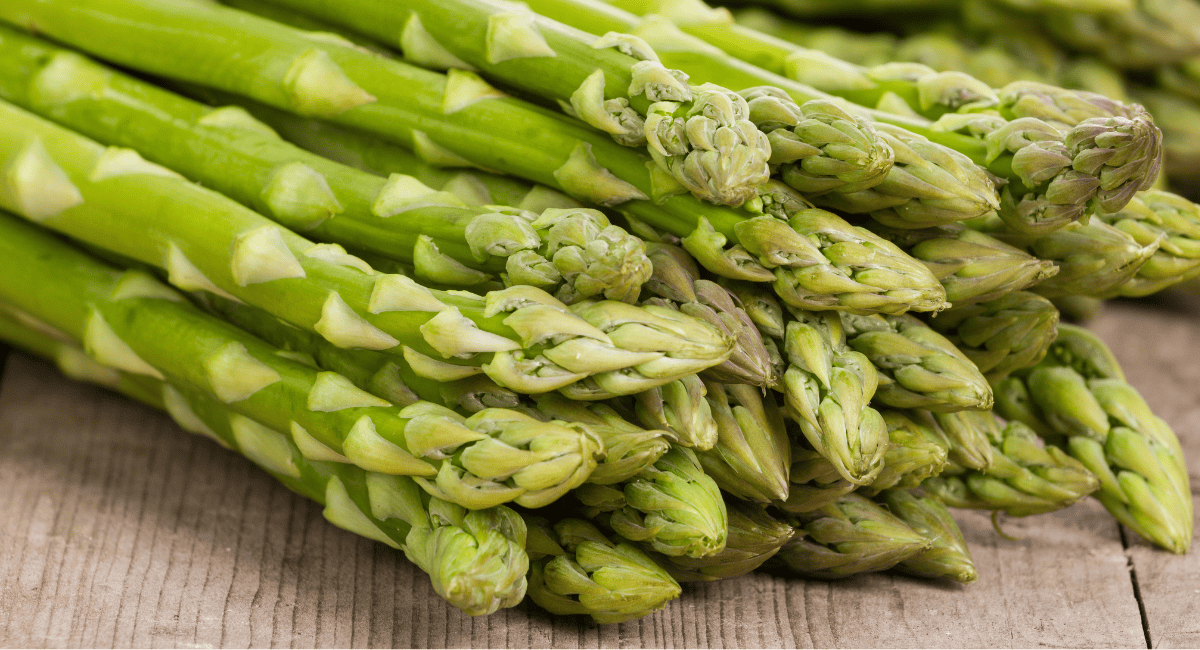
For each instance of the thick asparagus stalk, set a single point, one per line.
(918, 367)
(1026, 478)
(754, 537)
(971, 265)
(77, 187)
(629, 449)
(850, 536)
(1077, 398)
(1173, 223)
(576, 569)
(475, 559)
(948, 555)
(575, 253)
(1002, 335)
(752, 453)
(672, 507)
(133, 322)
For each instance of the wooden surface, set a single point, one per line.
(117, 529)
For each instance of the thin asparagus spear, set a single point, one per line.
(971, 265)
(918, 367)
(1002, 335)
(1077, 398)
(204, 240)
(576, 569)
(754, 537)
(132, 322)
(475, 559)
(948, 556)
(575, 253)
(672, 507)
(1026, 478)
(850, 536)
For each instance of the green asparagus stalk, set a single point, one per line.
(672, 507)
(1150, 33)
(754, 537)
(676, 282)
(1026, 478)
(134, 323)
(918, 367)
(856, 8)
(629, 449)
(971, 265)
(576, 569)
(1002, 335)
(1094, 259)
(752, 453)
(699, 134)
(948, 555)
(574, 253)
(1078, 399)
(1172, 222)
(1060, 151)
(681, 408)
(850, 536)
(971, 435)
(475, 559)
(930, 183)
(69, 183)
(828, 389)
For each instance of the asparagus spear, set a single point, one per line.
(629, 449)
(77, 187)
(948, 555)
(681, 408)
(850, 536)
(1077, 398)
(1001, 335)
(815, 482)
(754, 536)
(971, 265)
(918, 367)
(1177, 115)
(673, 507)
(929, 184)
(1173, 223)
(475, 559)
(751, 456)
(1148, 34)
(575, 253)
(916, 450)
(1024, 479)
(576, 569)
(971, 434)
(133, 322)
(1094, 259)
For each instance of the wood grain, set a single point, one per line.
(118, 530)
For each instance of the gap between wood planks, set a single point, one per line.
(1137, 591)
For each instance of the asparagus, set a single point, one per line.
(1173, 223)
(1178, 117)
(681, 408)
(699, 134)
(575, 569)
(815, 482)
(1094, 259)
(1002, 335)
(133, 322)
(672, 507)
(850, 536)
(475, 559)
(1150, 33)
(970, 434)
(77, 187)
(918, 367)
(1061, 151)
(1024, 479)
(1078, 399)
(948, 555)
(929, 183)
(575, 253)
(971, 265)
(754, 536)
(916, 450)
(751, 456)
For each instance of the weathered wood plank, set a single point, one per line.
(117, 530)
(1159, 346)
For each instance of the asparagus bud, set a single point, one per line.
(1002, 335)
(948, 555)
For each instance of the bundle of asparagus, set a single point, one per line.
(587, 354)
